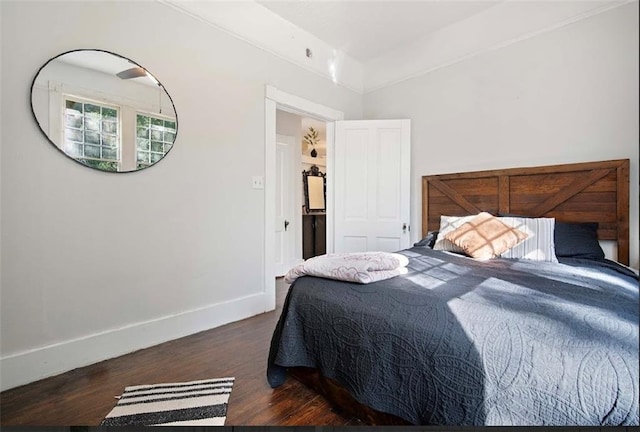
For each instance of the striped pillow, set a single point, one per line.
(539, 246)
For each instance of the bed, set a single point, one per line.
(457, 341)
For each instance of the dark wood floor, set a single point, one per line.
(84, 396)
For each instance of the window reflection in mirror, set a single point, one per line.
(104, 111)
(314, 184)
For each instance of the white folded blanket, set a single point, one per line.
(360, 267)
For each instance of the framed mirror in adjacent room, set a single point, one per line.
(315, 190)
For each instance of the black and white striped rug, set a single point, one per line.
(202, 403)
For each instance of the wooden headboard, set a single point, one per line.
(581, 192)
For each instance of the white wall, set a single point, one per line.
(97, 264)
(289, 124)
(563, 96)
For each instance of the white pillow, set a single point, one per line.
(539, 246)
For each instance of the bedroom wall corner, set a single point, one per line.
(561, 96)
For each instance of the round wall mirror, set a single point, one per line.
(104, 111)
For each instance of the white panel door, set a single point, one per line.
(284, 220)
(372, 180)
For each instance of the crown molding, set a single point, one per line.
(260, 27)
(504, 24)
(453, 44)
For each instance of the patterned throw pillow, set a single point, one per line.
(485, 236)
(448, 224)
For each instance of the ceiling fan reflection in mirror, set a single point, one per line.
(136, 72)
(139, 72)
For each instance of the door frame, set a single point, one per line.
(278, 100)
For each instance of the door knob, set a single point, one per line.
(286, 224)
(405, 227)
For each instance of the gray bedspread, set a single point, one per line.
(461, 342)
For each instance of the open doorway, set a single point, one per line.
(314, 167)
(276, 102)
(300, 228)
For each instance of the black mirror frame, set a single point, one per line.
(315, 172)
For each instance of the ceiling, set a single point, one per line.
(365, 45)
(97, 60)
(103, 61)
(367, 29)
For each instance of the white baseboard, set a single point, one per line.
(29, 366)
